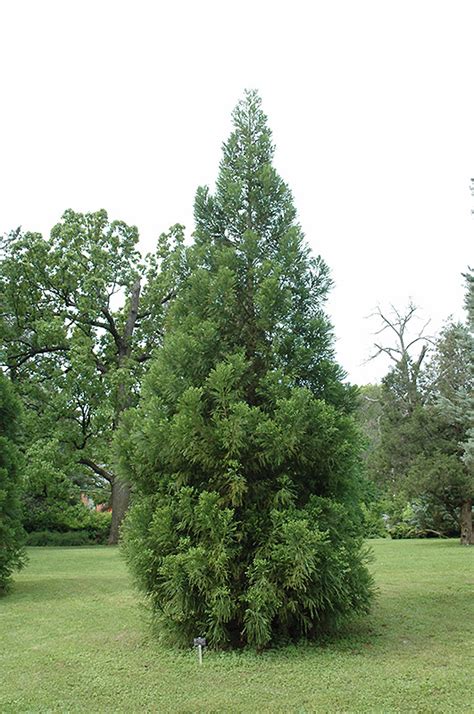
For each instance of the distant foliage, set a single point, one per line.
(243, 452)
(51, 500)
(95, 534)
(53, 538)
(374, 525)
(12, 554)
(57, 513)
(419, 427)
(421, 517)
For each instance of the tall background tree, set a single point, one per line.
(81, 314)
(402, 395)
(449, 474)
(243, 452)
(11, 531)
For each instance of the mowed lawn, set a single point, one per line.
(73, 638)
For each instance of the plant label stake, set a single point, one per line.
(199, 642)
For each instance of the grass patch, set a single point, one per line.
(72, 638)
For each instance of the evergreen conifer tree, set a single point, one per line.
(243, 452)
(11, 531)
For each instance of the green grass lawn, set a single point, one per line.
(73, 638)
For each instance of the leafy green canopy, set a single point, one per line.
(243, 452)
(11, 531)
(80, 315)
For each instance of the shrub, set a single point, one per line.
(97, 525)
(420, 518)
(53, 538)
(373, 522)
(86, 527)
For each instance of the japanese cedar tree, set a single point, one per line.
(243, 453)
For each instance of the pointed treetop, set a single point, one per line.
(250, 195)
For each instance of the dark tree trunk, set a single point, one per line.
(466, 522)
(120, 500)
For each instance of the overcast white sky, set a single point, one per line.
(124, 106)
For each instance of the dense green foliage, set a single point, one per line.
(467, 401)
(419, 428)
(441, 471)
(243, 452)
(52, 487)
(11, 531)
(81, 314)
(93, 530)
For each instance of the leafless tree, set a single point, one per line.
(406, 349)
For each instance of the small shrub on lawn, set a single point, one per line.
(44, 538)
(94, 531)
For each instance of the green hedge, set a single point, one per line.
(55, 538)
(95, 530)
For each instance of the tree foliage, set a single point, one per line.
(243, 452)
(422, 455)
(81, 316)
(11, 531)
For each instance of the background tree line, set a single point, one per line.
(419, 425)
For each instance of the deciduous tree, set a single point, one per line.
(81, 316)
(423, 452)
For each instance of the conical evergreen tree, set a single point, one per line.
(243, 452)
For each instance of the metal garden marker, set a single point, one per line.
(199, 642)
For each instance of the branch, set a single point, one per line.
(388, 351)
(421, 336)
(85, 439)
(102, 368)
(421, 356)
(144, 357)
(36, 351)
(99, 470)
(112, 328)
(169, 296)
(133, 312)
(83, 320)
(398, 324)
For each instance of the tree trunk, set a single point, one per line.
(120, 501)
(121, 490)
(466, 522)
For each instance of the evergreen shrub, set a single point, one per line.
(54, 538)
